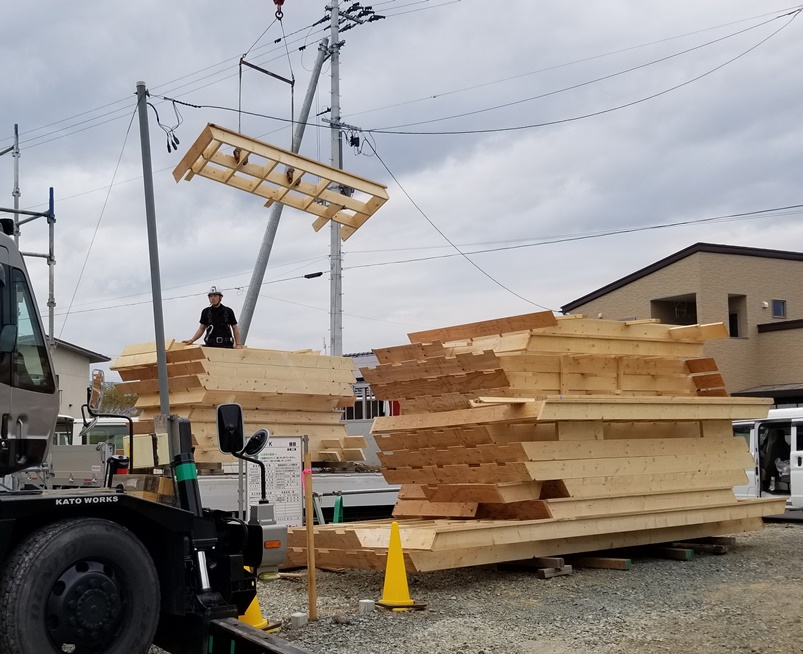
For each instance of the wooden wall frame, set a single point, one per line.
(279, 175)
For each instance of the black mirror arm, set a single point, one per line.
(261, 466)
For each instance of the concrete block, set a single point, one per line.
(298, 620)
(367, 606)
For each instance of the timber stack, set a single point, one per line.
(288, 393)
(537, 435)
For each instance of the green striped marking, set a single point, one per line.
(186, 471)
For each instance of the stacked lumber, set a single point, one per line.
(543, 436)
(288, 393)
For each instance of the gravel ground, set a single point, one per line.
(747, 601)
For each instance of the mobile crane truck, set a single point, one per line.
(101, 571)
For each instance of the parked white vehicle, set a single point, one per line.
(776, 443)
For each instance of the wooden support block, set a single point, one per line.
(709, 548)
(424, 508)
(676, 553)
(327, 455)
(548, 562)
(728, 541)
(703, 365)
(484, 493)
(353, 454)
(601, 562)
(530, 510)
(330, 443)
(548, 573)
(354, 442)
(412, 492)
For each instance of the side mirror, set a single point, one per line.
(96, 390)
(230, 428)
(257, 442)
(8, 338)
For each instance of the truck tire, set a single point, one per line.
(85, 585)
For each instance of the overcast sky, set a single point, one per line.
(697, 107)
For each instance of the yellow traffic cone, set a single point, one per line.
(396, 594)
(253, 615)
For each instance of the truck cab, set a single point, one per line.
(776, 444)
(28, 394)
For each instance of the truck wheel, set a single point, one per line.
(86, 586)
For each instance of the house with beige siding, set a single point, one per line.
(71, 365)
(757, 293)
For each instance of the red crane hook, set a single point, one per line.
(279, 14)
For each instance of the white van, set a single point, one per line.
(776, 443)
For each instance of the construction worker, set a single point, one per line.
(218, 322)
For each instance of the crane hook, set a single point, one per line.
(279, 13)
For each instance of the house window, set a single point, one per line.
(779, 308)
(733, 325)
(737, 315)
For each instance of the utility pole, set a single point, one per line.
(261, 265)
(153, 248)
(335, 246)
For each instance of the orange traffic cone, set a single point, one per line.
(396, 594)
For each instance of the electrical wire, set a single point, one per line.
(750, 215)
(559, 66)
(559, 121)
(351, 315)
(158, 86)
(596, 113)
(588, 82)
(305, 263)
(446, 238)
(117, 115)
(97, 225)
(29, 142)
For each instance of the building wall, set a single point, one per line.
(73, 373)
(750, 360)
(781, 356)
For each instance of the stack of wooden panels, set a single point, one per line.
(288, 393)
(575, 430)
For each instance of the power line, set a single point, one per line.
(749, 215)
(492, 130)
(446, 238)
(588, 82)
(562, 65)
(97, 225)
(595, 113)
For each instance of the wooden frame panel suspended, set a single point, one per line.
(282, 176)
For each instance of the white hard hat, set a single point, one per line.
(215, 291)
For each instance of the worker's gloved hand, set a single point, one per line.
(187, 342)
(238, 347)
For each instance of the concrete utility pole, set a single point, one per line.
(335, 248)
(261, 265)
(153, 248)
